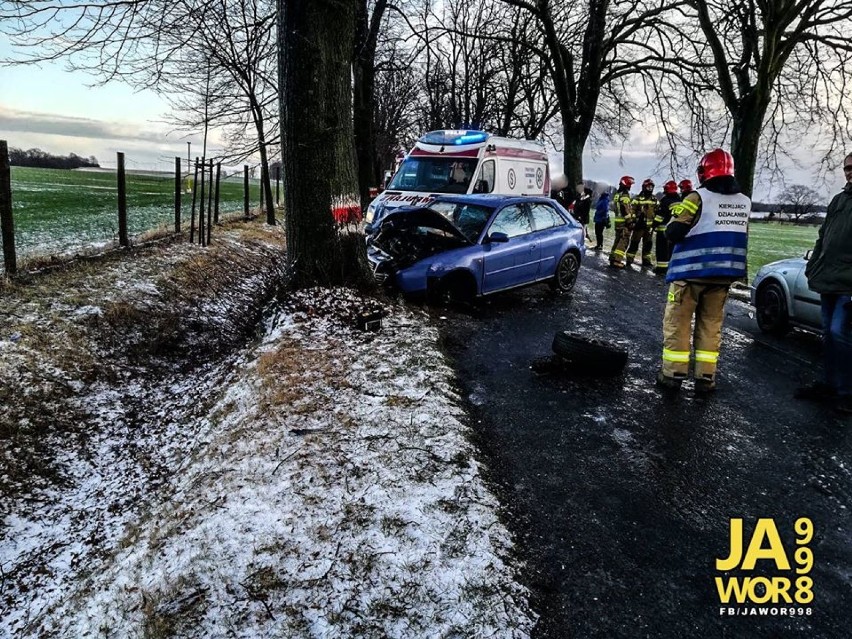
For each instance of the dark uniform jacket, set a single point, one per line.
(830, 268)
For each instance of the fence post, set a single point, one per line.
(216, 210)
(177, 194)
(245, 191)
(210, 204)
(7, 221)
(277, 184)
(122, 203)
(201, 203)
(194, 191)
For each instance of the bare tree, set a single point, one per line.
(213, 59)
(798, 201)
(779, 68)
(368, 22)
(316, 39)
(591, 48)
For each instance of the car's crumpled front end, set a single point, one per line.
(405, 239)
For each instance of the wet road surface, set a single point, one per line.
(620, 497)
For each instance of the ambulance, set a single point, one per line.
(453, 161)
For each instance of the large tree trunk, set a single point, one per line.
(572, 157)
(745, 139)
(315, 73)
(364, 81)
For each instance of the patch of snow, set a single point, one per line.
(320, 483)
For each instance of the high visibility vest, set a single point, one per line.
(716, 246)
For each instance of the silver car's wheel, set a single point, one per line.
(771, 309)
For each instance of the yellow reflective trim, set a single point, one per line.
(708, 357)
(690, 206)
(619, 219)
(678, 357)
(619, 253)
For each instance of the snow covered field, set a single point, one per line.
(316, 482)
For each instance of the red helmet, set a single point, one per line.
(627, 181)
(714, 164)
(648, 185)
(670, 187)
(685, 185)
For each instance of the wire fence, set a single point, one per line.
(57, 212)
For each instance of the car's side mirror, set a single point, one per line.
(808, 254)
(481, 187)
(497, 236)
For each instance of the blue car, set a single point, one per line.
(466, 246)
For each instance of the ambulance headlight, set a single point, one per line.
(371, 213)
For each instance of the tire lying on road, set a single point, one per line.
(585, 356)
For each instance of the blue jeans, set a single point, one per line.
(837, 341)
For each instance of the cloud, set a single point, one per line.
(55, 124)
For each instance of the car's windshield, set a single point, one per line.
(434, 174)
(470, 219)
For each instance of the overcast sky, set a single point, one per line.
(58, 112)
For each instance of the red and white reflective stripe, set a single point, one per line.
(523, 154)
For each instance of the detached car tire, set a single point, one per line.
(771, 309)
(586, 356)
(565, 276)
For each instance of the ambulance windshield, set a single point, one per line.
(434, 175)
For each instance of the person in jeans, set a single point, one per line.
(601, 220)
(829, 273)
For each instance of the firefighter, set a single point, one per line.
(645, 210)
(664, 215)
(685, 187)
(709, 233)
(623, 220)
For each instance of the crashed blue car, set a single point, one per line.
(466, 246)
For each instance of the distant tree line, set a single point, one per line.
(44, 160)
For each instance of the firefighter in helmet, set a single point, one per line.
(664, 215)
(709, 231)
(645, 209)
(623, 219)
(685, 187)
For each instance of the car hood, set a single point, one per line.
(408, 235)
(790, 262)
(407, 218)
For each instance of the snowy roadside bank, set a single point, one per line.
(329, 490)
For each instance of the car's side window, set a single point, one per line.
(513, 221)
(485, 181)
(544, 217)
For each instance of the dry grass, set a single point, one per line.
(91, 320)
(289, 374)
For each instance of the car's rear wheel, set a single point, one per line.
(771, 309)
(565, 277)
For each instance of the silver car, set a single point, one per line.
(782, 299)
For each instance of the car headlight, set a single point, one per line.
(371, 213)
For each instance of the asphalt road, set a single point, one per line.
(620, 497)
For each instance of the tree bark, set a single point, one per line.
(364, 91)
(315, 64)
(748, 116)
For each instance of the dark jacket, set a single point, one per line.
(664, 213)
(582, 206)
(830, 268)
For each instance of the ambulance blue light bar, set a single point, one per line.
(459, 138)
